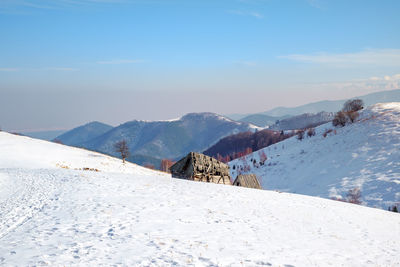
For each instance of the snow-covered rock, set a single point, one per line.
(365, 154)
(128, 215)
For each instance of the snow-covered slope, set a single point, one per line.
(60, 217)
(29, 153)
(365, 154)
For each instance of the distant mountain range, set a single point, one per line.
(44, 135)
(79, 135)
(327, 105)
(302, 121)
(262, 120)
(151, 141)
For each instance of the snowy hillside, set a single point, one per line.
(127, 215)
(365, 154)
(28, 153)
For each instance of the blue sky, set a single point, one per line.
(151, 56)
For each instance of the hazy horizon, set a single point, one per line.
(110, 119)
(65, 63)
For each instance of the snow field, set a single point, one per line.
(130, 216)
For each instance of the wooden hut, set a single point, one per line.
(199, 167)
(247, 180)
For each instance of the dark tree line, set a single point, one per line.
(237, 145)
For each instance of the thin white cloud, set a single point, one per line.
(120, 61)
(371, 84)
(9, 69)
(373, 57)
(246, 13)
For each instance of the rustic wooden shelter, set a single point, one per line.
(247, 180)
(199, 167)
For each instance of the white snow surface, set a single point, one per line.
(365, 154)
(130, 216)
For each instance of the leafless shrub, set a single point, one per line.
(352, 115)
(353, 105)
(310, 132)
(354, 196)
(326, 132)
(339, 119)
(300, 134)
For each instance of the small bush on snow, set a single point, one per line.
(310, 132)
(354, 196)
(339, 119)
(300, 135)
(326, 132)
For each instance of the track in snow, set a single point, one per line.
(26, 196)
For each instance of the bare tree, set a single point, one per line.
(353, 105)
(354, 196)
(122, 148)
